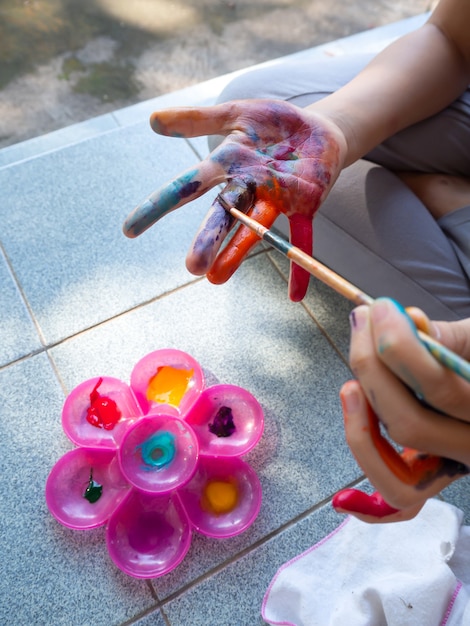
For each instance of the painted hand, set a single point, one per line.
(421, 405)
(275, 158)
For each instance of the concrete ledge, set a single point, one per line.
(201, 94)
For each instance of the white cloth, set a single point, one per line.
(414, 573)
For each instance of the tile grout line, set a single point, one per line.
(256, 544)
(310, 313)
(23, 297)
(195, 150)
(332, 343)
(54, 344)
(152, 609)
(53, 148)
(48, 346)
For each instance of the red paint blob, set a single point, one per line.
(355, 501)
(102, 412)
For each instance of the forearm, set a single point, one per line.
(412, 79)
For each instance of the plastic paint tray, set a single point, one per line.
(161, 470)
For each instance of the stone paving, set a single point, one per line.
(62, 62)
(79, 300)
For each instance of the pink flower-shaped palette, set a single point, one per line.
(156, 460)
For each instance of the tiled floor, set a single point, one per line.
(79, 300)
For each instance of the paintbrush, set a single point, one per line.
(442, 354)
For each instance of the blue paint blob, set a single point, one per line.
(158, 451)
(161, 202)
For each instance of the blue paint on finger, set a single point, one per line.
(161, 202)
(403, 311)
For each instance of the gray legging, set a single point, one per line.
(372, 229)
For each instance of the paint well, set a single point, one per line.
(220, 496)
(169, 385)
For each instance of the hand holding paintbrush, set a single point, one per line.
(277, 158)
(409, 476)
(348, 290)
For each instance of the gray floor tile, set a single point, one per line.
(329, 309)
(57, 139)
(50, 575)
(18, 336)
(235, 595)
(62, 218)
(245, 333)
(458, 494)
(154, 618)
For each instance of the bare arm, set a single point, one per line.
(412, 79)
(278, 158)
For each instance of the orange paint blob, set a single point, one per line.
(169, 385)
(220, 496)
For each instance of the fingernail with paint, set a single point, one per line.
(354, 501)
(358, 318)
(141, 218)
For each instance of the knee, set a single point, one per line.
(245, 86)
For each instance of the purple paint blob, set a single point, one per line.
(189, 188)
(223, 425)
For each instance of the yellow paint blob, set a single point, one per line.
(169, 385)
(220, 496)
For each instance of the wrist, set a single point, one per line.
(353, 123)
(334, 130)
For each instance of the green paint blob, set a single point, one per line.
(94, 490)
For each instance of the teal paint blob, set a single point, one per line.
(158, 451)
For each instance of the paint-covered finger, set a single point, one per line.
(243, 240)
(208, 239)
(187, 187)
(301, 236)
(372, 508)
(402, 479)
(216, 226)
(408, 421)
(196, 121)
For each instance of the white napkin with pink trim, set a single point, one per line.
(414, 573)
